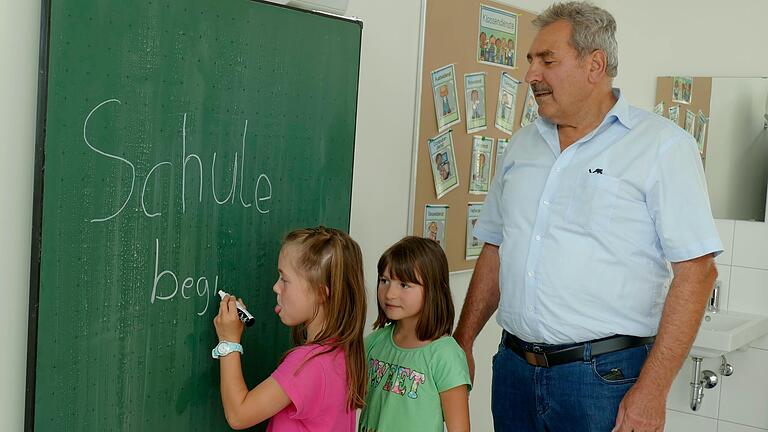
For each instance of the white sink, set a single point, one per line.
(724, 332)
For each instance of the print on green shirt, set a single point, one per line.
(396, 378)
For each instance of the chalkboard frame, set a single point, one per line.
(37, 197)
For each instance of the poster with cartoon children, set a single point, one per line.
(682, 89)
(474, 96)
(446, 100)
(443, 160)
(435, 218)
(497, 37)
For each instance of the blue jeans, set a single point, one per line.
(578, 396)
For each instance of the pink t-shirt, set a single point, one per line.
(318, 392)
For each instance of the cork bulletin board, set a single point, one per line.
(450, 36)
(700, 97)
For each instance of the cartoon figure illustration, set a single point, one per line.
(474, 96)
(445, 170)
(503, 56)
(444, 98)
(432, 228)
(490, 53)
(506, 108)
(479, 174)
(483, 45)
(443, 165)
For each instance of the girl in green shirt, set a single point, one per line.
(418, 374)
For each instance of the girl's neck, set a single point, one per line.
(315, 326)
(404, 334)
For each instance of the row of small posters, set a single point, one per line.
(446, 99)
(695, 124)
(442, 157)
(436, 219)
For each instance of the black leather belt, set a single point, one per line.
(552, 355)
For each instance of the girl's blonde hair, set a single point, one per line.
(330, 258)
(421, 261)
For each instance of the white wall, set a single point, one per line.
(387, 93)
(19, 35)
(687, 37)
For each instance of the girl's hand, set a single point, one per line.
(227, 323)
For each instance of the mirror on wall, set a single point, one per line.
(728, 117)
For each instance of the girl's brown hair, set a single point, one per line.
(421, 261)
(330, 258)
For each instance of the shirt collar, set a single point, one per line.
(619, 111)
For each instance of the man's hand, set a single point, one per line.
(642, 410)
(467, 347)
(481, 301)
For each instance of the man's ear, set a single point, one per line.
(597, 64)
(327, 292)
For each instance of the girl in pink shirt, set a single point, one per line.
(319, 384)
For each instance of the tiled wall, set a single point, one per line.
(739, 403)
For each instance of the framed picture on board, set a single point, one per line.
(443, 160)
(446, 100)
(474, 97)
(497, 37)
(435, 218)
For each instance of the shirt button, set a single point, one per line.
(530, 308)
(546, 202)
(557, 169)
(530, 274)
(538, 238)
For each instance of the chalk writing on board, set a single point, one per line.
(167, 284)
(262, 193)
(202, 288)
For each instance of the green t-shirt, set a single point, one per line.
(404, 385)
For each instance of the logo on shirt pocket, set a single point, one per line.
(593, 202)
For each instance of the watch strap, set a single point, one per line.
(233, 346)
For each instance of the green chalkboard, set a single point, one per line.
(179, 141)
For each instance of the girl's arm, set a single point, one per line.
(243, 408)
(455, 403)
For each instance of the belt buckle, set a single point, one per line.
(536, 359)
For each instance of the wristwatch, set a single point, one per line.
(224, 348)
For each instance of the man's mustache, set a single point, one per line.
(541, 88)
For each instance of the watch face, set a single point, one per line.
(224, 348)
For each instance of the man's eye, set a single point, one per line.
(383, 281)
(404, 285)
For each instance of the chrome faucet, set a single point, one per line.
(714, 299)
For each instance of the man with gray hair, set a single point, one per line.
(594, 208)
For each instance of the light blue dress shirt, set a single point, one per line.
(586, 236)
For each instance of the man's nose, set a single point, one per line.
(533, 74)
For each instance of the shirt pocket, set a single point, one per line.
(593, 201)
